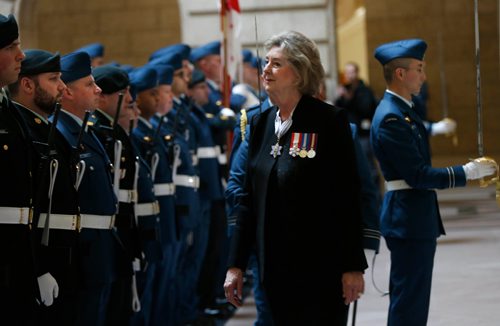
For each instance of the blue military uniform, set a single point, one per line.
(126, 167)
(99, 244)
(148, 140)
(410, 220)
(18, 283)
(212, 230)
(58, 253)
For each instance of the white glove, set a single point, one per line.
(226, 112)
(479, 169)
(49, 290)
(443, 127)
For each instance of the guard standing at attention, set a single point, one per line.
(410, 220)
(36, 94)
(18, 279)
(99, 244)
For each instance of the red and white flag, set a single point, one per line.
(231, 29)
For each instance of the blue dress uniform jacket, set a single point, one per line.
(99, 247)
(125, 218)
(401, 146)
(410, 220)
(60, 257)
(292, 221)
(17, 267)
(159, 278)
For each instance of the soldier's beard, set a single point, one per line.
(44, 100)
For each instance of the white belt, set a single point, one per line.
(207, 152)
(145, 209)
(15, 215)
(59, 221)
(164, 189)
(396, 185)
(192, 181)
(70, 222)
(127, 196)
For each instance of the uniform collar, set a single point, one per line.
(409, 103)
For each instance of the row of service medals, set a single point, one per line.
(302, 145)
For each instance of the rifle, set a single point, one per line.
(117, 146)
(53, 164)
(117, 115)
(80, 164)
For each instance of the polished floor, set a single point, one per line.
(466, 283)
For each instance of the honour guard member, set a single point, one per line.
(149, 94)
(100, 247)
(96, 53)
(212, 230)
(110, 123)
(249, 85)
(175, 132)
(410, 221)
(36, 94)
(18, 275)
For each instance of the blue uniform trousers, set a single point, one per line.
(412, 261)
(192, 255)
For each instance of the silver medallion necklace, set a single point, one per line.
(280, 128)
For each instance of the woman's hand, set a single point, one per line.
(233, 286)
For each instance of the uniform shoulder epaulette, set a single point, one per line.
(243, 123)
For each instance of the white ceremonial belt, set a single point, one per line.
(15, 215)
(145, 209)
(59, 221)
(104, 222)
(164, 189)
(396, 185)
(207, 152)
(127, 196)
(192, 181)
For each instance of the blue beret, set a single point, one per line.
(256, 62)
(247, 55)
(110, 79)
(74, 66)
(196, 77)
(94, 50)
(170, 59)
(236, 101)
(143, 78)
(40, 61)
(165, 73)
(411, 48)
(205, 50)
(183, 49)
(9, 32)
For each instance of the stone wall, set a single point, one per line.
(448, 28)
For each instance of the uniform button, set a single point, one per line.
(91, 168)
(5, 147)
